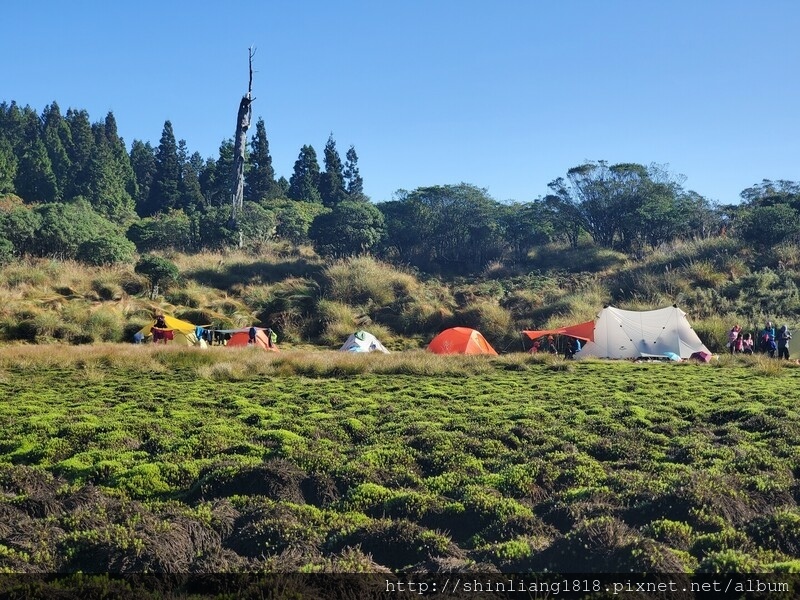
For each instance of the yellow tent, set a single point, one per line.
(182, 332)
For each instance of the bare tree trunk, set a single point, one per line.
(240, 144)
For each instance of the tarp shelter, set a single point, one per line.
(363, 341)
(582, 331)
(241, 337)
(634, 334)
(460, 340)
(180, 332)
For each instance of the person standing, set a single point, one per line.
(767, 342)
(732, 335)
(783, 338)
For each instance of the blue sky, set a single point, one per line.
(506, 95)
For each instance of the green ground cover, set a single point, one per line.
(178, 460)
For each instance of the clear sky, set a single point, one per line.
(504, 94)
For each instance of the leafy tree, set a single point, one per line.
(525, 226)
(622, 204)
(143, 163)
(159, 271)
(213, 228)
(164, 192)
(772, 193)
(353, 180)
(564, 218)
(20, 225)
(455, 227)
(106, 251)
(260, 181)
(171, 230)
(64, 227)
(770, 225)
(293, 219)
(349, 228)
(304, 184)
(6, 251)
(257, 224)
(331, 181)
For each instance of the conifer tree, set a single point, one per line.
(304, 184)
(35, 181)
(217, 178)
(79, 152)
(260, 181)
(353, 181)
(8, 167)
(56, 133)
(331, 182)
(122, 161)
(191, 197)
(107, 177)
(164, 192)
(143, 163)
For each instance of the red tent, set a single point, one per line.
(460, 340)
(242, 338)
(582, 331)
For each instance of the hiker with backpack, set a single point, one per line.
(783, 342)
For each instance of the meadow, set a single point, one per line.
(127, 458)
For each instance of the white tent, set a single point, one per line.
(633, 334)
(363, 341)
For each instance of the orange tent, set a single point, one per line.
(460, 340)
(582, 331)
(242, 338)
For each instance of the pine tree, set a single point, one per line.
(331, 182)
(107, 178)
(164, 192)
(79, 152)
(191, 197)
(35, 181)
(353, 180)
(217, 178)
(11, 125)
(260, 181)
(56, 132)
(8, 167)
(304, 184)
(120, 154)
(143, 163)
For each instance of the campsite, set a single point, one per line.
(415, 290)
(320, 457)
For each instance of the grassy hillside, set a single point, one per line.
(166, 459)
(309, 301)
